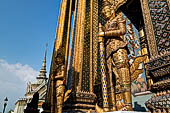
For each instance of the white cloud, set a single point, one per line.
(13, 80)
(23, 72)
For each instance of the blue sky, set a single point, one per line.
(25, 27)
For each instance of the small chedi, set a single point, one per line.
(117, 48)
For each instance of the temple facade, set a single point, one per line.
(39, 86)
(112, 52)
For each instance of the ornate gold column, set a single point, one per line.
(59, 62)
(77, 59)
(144, 47)
(73, 53)
(82, 85)
(91, 46)
(62, 50)
(149, 28)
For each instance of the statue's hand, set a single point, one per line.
(101, 34)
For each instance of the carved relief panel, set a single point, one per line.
(157, 22)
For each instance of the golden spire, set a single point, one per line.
(43, 71)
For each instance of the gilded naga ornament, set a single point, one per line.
(114, 59)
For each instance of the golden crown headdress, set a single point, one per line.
(115, 4)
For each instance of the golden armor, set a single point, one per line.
(116, 58)
(116, 90)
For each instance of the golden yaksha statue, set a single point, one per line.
(116, 57)
(116, 90)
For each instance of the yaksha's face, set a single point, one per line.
(107, 12)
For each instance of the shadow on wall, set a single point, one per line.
(138, 107)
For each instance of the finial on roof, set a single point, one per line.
(43, 71)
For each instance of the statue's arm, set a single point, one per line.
(120, 31)
(59, 77)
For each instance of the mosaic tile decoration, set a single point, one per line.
(86, 51)
(160, 16)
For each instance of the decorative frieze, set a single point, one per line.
(159, 65)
